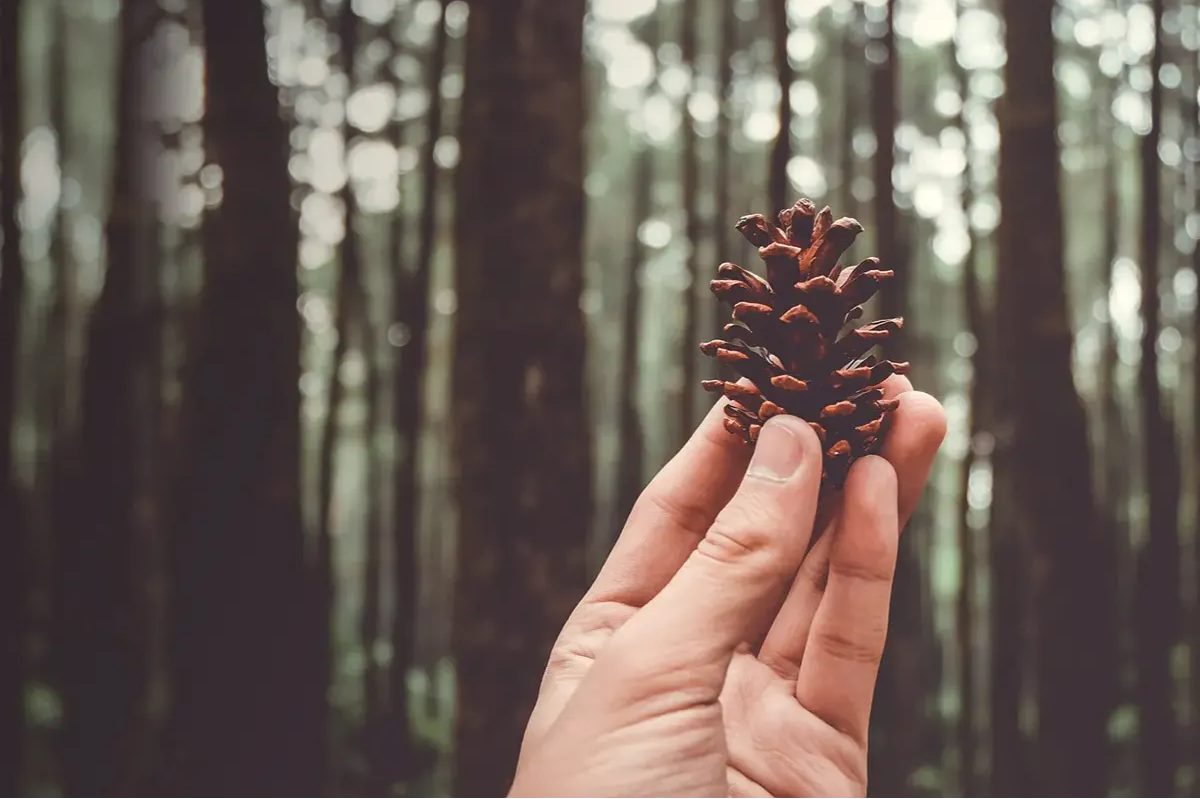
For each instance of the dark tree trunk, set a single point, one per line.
(1157, 598)
(899, 701)
(724, 136)
(412, 308)
(781, 151)
(631, 444)
(243, 683)
(691, 199)
(12, 528)
(979, 394)
(851, 67)
(105, 538)
(1044, 478)
(523, 443)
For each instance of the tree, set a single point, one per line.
(523, 444)
(1157, 595)
(781, 151)
(243, 678)
(1043, 470)
(691, 213)
(12, 291)
(104, 541)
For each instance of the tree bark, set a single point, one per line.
(12, 291)
(631, 435)
(1044, 477)
(691, 197)
(103, 548)
(523, 443)
(1157, 595)
(243, 716)
(781, 151)
(899, 704)
(979, 394)
(412, 308)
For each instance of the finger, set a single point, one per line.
(837, 676)
(673, 513)
(732, 584)
(911, 446)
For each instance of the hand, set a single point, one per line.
(715, 655)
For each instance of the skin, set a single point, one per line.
(715, 655)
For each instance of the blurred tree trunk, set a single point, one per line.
(1158, 562)
(1044, 478)
(523, 443)
(347, 293)
(631, 445)
(1115, 473)
(899, 701)
(105, 536)
(851, 67)
(241, 651)
(979, 394)
(412, 309)
(1195, 627)
(722, 212)
(691, 212)
(12, 291)
(781, 151)
(53, 347)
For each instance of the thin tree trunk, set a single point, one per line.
(105, 621)
(899, 704)
(851, 66)
(412, 308)
(523, 442)
(781, 151)
(979, 394)
(691, 198)
(12, 291)
(1194, 124)
(243, 713)
(1158, 563)
(1045, 478)
(347, 293)
(631, 435)
(724, 136)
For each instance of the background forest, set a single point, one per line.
(252, 296)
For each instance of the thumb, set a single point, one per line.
(732, 585)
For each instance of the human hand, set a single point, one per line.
(715, 654)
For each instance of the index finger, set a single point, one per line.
(673, 514)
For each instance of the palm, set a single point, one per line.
(761, 717)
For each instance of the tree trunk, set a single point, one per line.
(243, 686)
(1044, 479)
(899, 704)
(523, 443)
(1157, 599)
(412, 308)
(723, 221)
(781, 151)
(12, 291)
(688, 416)
(103, 573)
(631, 446)
(979, 394)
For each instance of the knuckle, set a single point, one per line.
(868, 569)
(867, 649)
(747, 532)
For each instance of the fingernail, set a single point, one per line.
(778, 453)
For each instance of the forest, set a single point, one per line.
(337, 338)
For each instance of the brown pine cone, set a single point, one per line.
(785, 337)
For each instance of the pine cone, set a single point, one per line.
(784, 337)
